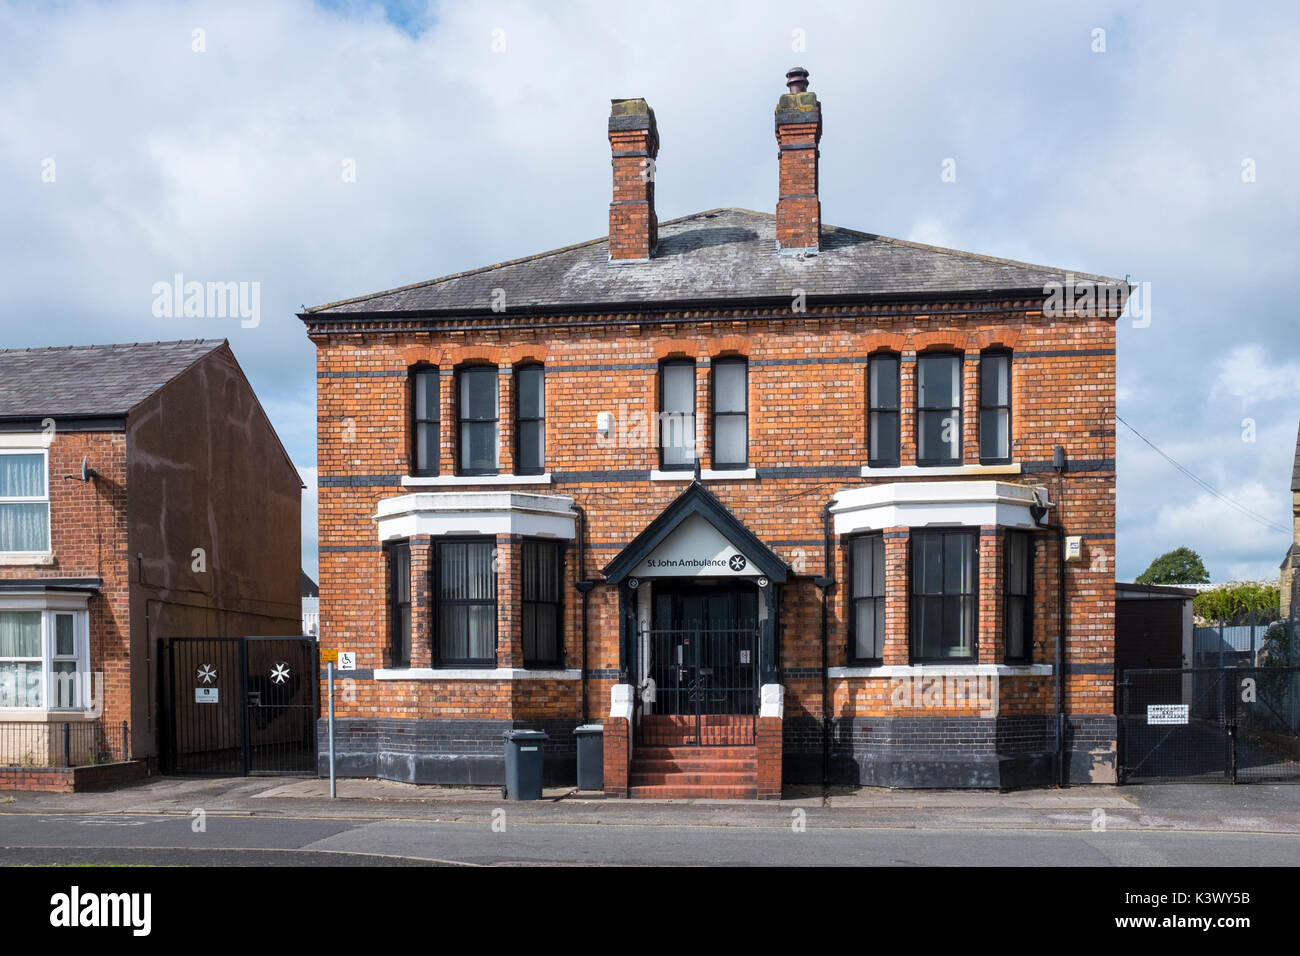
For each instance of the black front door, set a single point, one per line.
(703, 650)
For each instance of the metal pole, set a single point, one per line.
(329, 672)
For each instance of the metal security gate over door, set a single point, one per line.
(1208, 725)
(238, 705)
(702, 668)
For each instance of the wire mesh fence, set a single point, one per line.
(1233, 724)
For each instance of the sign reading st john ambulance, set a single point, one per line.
(696, 549)
(499, 561)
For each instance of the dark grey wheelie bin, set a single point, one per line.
(591, 756)
(524, 764)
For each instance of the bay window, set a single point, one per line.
(465, 602)
(399, 602)
(543, 570)
(945, 593)
(867, 617)
(43, 659)
(24, 502)
(1017, 604)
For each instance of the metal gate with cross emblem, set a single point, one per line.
(238, 705)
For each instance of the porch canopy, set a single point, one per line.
(697, 537)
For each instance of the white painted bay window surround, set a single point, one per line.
(476, 513)
(24, 505)
(944, 519)
(464, 597)
(921, 504)
(44, 654)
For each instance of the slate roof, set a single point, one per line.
(90, 380)
(719, 255)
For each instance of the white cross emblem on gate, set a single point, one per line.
(207, 673)
(280, 672)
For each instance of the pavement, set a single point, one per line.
(1250, 809)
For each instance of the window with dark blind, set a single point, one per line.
(882, 414)
(730, 413)
(465, 603)
(1017, 604)
(867, 620)
(945, 592)
(938, 409)
(677, 416)
(426, 421)
(399, 603)
(530, 420)
(543, 563)
(995, 408)
(476, 390)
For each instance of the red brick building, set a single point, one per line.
(770, 499)
(143, 495)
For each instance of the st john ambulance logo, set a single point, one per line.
(737, 562)
(280, 672)
(207, 674)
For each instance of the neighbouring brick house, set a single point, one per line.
(772, 500)
(117, 462)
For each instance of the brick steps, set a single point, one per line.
(693, 773)
(694, 793)
(708, 778)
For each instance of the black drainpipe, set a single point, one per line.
(1059, 677)
(584, 587)
(824, 583)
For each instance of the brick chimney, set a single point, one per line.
(798, 131)
(634, 140)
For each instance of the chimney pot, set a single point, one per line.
(634, 144)
(798, 135)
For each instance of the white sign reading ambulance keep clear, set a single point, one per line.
(696, 549)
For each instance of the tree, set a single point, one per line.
(1179, 566)
(1239, 602)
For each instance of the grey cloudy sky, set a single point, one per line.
(478, 134)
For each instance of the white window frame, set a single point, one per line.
(44, 499)
(49, 607)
